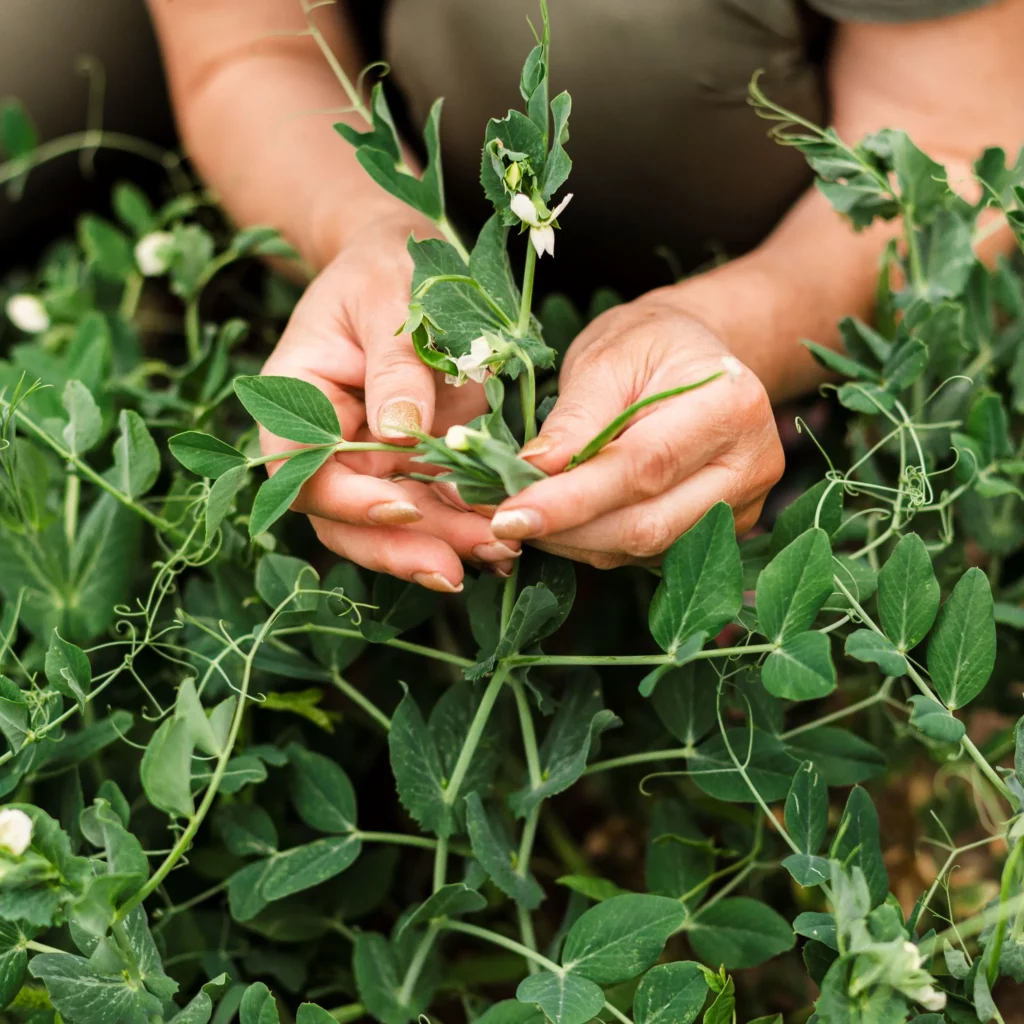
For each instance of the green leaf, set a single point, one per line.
(14, 717)
(794, 585)
(193, 253)
(489, 264)
(166, 769)
(807, 809)
(962, 648)
(988, 424)
(868, 646)
(302, 867)
(801, 669)
(247, 830)
(205, 455)
(818, 926)
(863, 342)
(494, 851)
(807, 870)
(133, 209)
(766, 759)
(683, 700)
(258, 1006)
(905, 365)
(290, 408)
(279, 577)
(379, 974)
(723, 1009)
(81, 993)
(839, 363)
(13, 959)
(840, 757)
(620, 938)
(18, 134)
(416, 765)
(823, 502)
(934, 720)
(670, 994)
(68, 670)
(383, 134)
(580, 720)
(85, 422)
(511, 1011)
(858, 844)
(107, 248)
(189, 708)
(908, 593)
(922, 182)
(448, 901)
(564, 998)
(136, 457)
(276, 496)
(321, 791)
(595, 889)
(199, 1009)
(702, 582)
(739, 932)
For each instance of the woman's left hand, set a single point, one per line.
(675, 459)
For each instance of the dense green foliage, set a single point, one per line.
(207, 731)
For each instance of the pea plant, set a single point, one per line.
(208, 722)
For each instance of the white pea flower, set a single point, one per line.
(542, 233)
(457, 439)
(732, 366)
(154, 253)
(471, 365)
(15, 831)
(28, 313)
(928, 996)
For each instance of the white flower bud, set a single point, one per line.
(457, 439)
(15, 831)
(28, 314)
(543, 239)
(154, 253)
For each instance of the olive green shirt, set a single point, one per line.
(667, 155)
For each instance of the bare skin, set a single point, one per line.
(244, 91)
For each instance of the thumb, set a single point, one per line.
(592, 396)
(399, 386)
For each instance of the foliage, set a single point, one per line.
(197, 719)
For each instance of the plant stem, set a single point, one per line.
(349, 1013)
(528, 398)
(41, 947)
(440, 862)
(186, 837)
(193, 330)
(526, 301)
(973, 752)
(358, 698)
(995, 947)
(881, 695)
(419, 958)
(644, 758)
(84, 469)
(397, 839)
(518, 660)
(473, 734)
(400, 645)
(529, 835)
(452, 237)
(501, 940)
(72, 493)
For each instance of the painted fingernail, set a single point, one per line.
(517, 524)
(398, 418)
(538, 446)
(393, 513)
(494, 551)
(435, 581)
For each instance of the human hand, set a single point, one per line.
(341, 338)
(674, 460)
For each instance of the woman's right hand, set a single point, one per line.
(341, 338)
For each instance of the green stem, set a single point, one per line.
(41, 947)
(186, 837)
(528, 398)
(519, 660)
(440, 862)
(72, 493)
(400, 645)
(995, 947)
(881, 695)
(452, 238)
(419, 958)
(644, 758)
(400, 839)
(131, 295)
(338, 446)
(473, 735)
(501, 940)
(973, 752)
(529, 835)
(349, 1013)
(193, 330)
(617, 425)
(85, 470)
(358, 698)
(526, 301)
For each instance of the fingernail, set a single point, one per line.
(538, 446)
(517, 524)
(394, 513)
(435, 581)
(494, 551)
(398, 418)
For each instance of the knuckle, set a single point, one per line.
(748, 517)
(647, 535)
(655, 470)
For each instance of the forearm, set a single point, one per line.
(255, 103)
